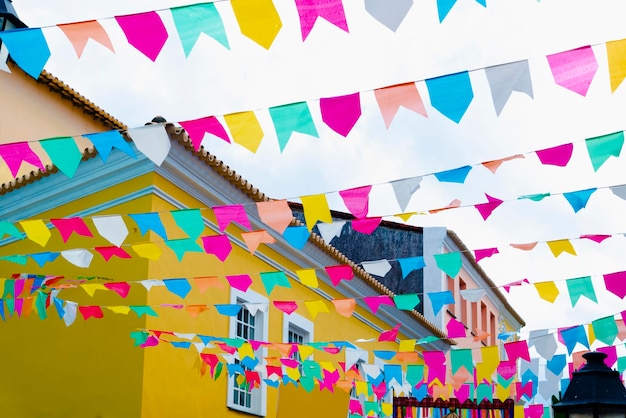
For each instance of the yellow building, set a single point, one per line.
(108, 314)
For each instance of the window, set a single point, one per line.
(451, 288)
(463, 286)
(299, 330)
(251, 323)
(492, 328)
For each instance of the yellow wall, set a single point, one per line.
(31, 112)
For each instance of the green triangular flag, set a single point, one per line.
(64, 154)
(289, 118)
(190, 221)
(605, 329)
(449, 263)
(461, 358)
(581, 286)
(602, 147)
(194, 20)
(182, 246)
(273, 279)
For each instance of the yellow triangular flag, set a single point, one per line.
(406, 346)
(308, 277)
(547, 291)
(148, 250)
(490, 361)
(91, 288)
(305, 351)
(328, 366)
(36, 231)
(293, 373)
(561, 246)
(362, 388)
(124, 310)
(591, 334)
(406, 216)
(316, 209)
(245, 129)
(616, 56)
(258, 20)
(502, 392)
(316, 306)
(246, 351)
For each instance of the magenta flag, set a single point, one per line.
(616, 283)
(231, 213)
(484, 253)
(145, 31)
(357, 200)
(310, 10)
(559, 155)
(486, 209)
(374, 302)
(517, 349)
(341, 113)
(198, 127)
(240, 282)
(67, 226)
(287, 307)
(339, 273)
(121, 288)
(218, 245)
(16, 154)
(366, 225)
(574, 69)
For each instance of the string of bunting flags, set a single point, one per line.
(443, 366)
(154, 142)
(147, 33)
(449, 94)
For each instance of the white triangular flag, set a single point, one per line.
(404, 190)
(328, 231)
(79, 257)
(378, 268)
(4, 56)
(153, 141)
(70, 313)
(113, 228)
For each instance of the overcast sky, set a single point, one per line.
(217, 81)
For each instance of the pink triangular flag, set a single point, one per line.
(15, 154)
(559, 155)
(145, 31)
(240, 282)
(80, 33)
(218, 245)
(486, 209)
(341, 113)
(231, 213)
(310, 10)
(484, 253)
(391, 98)
(456, 329)
(111, 251)
(616, 283)
(198, 127)
(339, 273)
(287, 307)
(357, 200)
(374, 302)
(596, 237)
(517, 349)
(389, 335)
(121, 288)
(366, 225)
(574, 69)
(67, 226)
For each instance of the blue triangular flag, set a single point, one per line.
(439, 299)
(574, 335)
(28, 48)
(297, 236)
(456, 175)
(578, 199)
(557, 363)
(179, 287)
(451, 94)
(228, 310)
(106, 141)
(409, 264)
(149, 221)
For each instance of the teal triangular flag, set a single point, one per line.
(289, 118)
(578, 199)
(415, 374)
(190, 221)
(196, 19)
(580, 286)
(461, 358)
(182, 246)
(28, 48)
(104, 142)
(64, 154)
(602, 147)
(449, 263)
(451, 94)
(143, 310)
(7, 228)
(605, 329)
(406, 302)
(275, 278)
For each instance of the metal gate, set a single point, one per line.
(409, 407)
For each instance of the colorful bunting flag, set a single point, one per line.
(80, 33)
(28, 48)
(193, 20)
(144, 31)
(616, 57)
(198, 127)
(505, 79)
(391, 98)
(341, 113)
(601, 148)
(245, 129)
(574, 69)
(258, 20)
(64, 154)
(451, 94)
(14, 155)
(290, 118)
(330, 10)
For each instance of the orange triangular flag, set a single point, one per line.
(276, 214)
(204, 283)
(525, 247)
(495, 164)
(79, 33)
(391, 98)
(254, 238)
(344, 307)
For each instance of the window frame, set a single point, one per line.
(258, 404)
